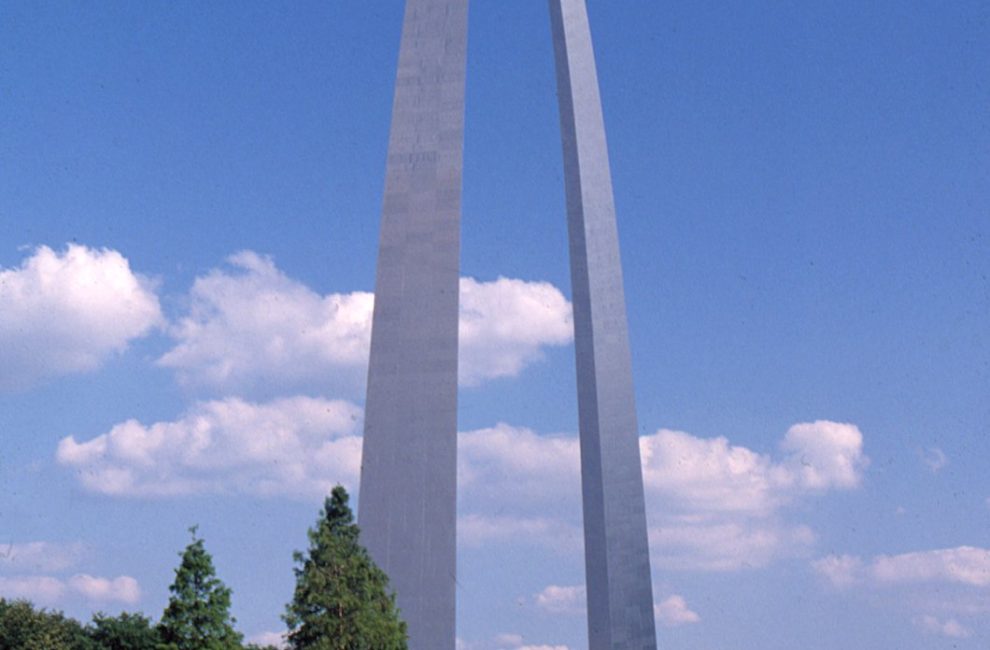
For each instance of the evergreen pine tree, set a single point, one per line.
(342, 600)
(198, 613)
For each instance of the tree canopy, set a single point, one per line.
(342, 599)
(25, 628)
(123, 632)
(198, 613)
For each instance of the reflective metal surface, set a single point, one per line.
(409, 469)
(617, 559)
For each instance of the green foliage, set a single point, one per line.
(342, 600)
(198, 613)
(124, 632)
(22, 627)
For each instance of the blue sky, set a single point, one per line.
(189, 199)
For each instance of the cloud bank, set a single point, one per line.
(711, 505)
(27, 570)
(936, 585)
(48, 590)
(562, 600)
(297, 446)
(67, 312)
(674, 612)
(251, 323)
(250, 327)
(506, 323)
(724, 505)
(963, 565)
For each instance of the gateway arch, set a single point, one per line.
(409, 468)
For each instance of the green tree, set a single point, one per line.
(198, 613)
(22, 627)
(123, 632)
(342, 600)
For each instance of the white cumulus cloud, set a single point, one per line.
(840, 570)
(962, 565)
(567, 600)
(505, 324)
(724, 543)
(712, 505)
(710, 475)
(48, 590)
(674, 611)
(250, 327)
(518, 487)
(512, 464)
(722, 505)
(825, 454)
(39, 589)
(124, 589)
(946, 583)
(294, 446)
(67, 312)
(252, 324)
